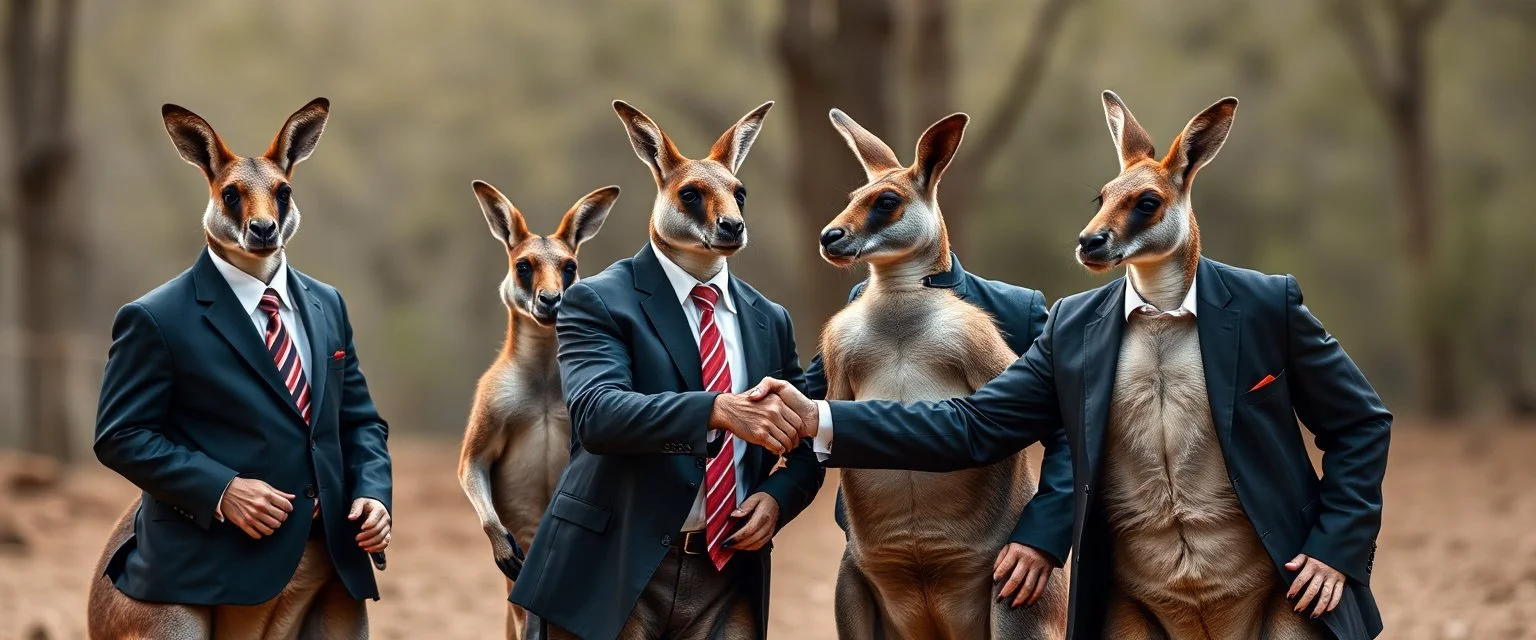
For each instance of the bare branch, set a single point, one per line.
(1005, 115)
(1350, 16)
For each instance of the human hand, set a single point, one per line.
(761, 515)
(1028, 571)
(255, 506)
(768, 424)
(375, 535)
(1315, 580)
(795, 401)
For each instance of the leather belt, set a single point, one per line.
(692, 543)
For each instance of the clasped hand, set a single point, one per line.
(774, 415)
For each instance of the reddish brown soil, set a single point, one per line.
(1457, 557)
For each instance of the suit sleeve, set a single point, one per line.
(1046, 523)
(1352, 427)
(608, 417)
(816, 376)
(795, 485)
(131, 433)
(1011, 412)
(364, 434)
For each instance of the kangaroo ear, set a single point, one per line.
(586, 217)
(937, 147)
(1131, 141)
(196, 140)
(872, 152)
(299, 135)
(505, 220)
(1200, 140)
(733, 145)
(650, 142)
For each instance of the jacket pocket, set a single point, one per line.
(579, 512)
(1267, 391)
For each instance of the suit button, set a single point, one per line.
(309, 491)
(693, 485)
(312, 445)
(666, 541)
(1087, 489)
(698, 462)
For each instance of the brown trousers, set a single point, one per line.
(687, 599)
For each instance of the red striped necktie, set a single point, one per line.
(720, 474)
(285, 353)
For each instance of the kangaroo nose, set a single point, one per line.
(832, 235)
(732, 227)
(549, 298)
(263, 230)
(1093, 242)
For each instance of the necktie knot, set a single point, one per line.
(269, 301)
(705, 296)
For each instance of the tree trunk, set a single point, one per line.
(53, 277)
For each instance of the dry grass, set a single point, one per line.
(1457, 557)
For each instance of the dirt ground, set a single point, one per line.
(1457, 555)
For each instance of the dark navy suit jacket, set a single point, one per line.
(191, 399)
(639, 425)
(1250, 325)
(1019, 313)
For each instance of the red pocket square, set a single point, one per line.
(338, 355)
(1262, 383)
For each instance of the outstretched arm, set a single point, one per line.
(1009, 413)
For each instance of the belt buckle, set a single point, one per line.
(689, 538)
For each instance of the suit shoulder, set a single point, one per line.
(1086, 301)
(767, 302)
(166, 298)
(316, 287)
(617, 276)
(1251, 284)
(1021, 297)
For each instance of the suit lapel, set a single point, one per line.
(316, 328)
(1101, 357)
(1220, 340)
(666, 316)
(234, 324)
(758, 350)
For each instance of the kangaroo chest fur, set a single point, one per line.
(533, 439)
(1181, 535)
(909, 346)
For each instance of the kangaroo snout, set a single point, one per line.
(1092, 242)
(262, 232)
(731, 230)
(838, 246)
(549, 300)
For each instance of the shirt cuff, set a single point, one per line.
(218, 509)
(822, 443)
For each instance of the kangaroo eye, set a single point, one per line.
(688, 195)
(741, 197)
(524, 269)
(887, 203)
(570, 268)
(1148, 205)
(283, 194)
(231, 195)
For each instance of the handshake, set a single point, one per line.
(773, 414)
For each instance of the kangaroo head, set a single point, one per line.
(540, 268)
(251, 212)
(894, 217)
(698, 202)
(1144, 214)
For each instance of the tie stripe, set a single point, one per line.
(720, 473)
(285, 353)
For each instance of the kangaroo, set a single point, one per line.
(250, 234)
(519, 435)
(919, 559)
(1188, 564)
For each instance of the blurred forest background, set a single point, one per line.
(1381, 154)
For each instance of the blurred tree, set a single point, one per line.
(849, 65)
(1394, 71)
(39, 39)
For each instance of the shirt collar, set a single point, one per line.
(1134, 301)
(248, 290)
(683, 283)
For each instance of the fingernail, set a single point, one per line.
(729, 542)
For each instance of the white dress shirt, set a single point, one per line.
(729, 325)
(822, 443)
(248, 290)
